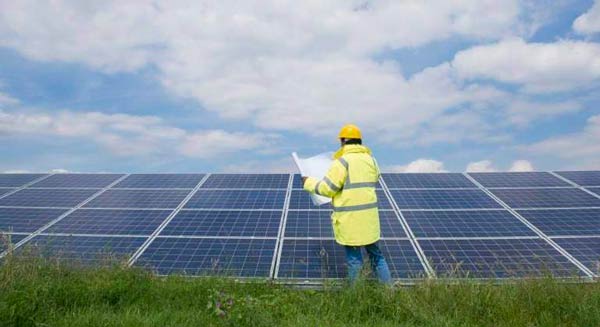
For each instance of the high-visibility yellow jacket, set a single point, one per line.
(351, 182)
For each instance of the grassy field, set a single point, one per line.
(41, 293)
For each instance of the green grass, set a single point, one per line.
(34, 292)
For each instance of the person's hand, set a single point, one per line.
(304, 179)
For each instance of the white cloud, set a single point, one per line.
(538, 67)
(208, 144)
(482, 166)
(418, 166)
(282, 165)
(291, 65)
(486, 166)
(24, 171)
(128, 135)
(522, 112)
(521, 165)
(589, 22)
(6, 100)
(581, 148)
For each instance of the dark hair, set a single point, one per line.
(352, 141)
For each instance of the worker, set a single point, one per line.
(350, 182)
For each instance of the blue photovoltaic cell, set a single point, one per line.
(224, 223)
(12, 239)
(237, 199)
(78, 180)
(496, 258)
(18, 180)
(491, 223)
(245, 181)
(300, 199)
(147, 199)
(584, 249)
(84, 250)
(443, 199)
(390, 225)
(47, 197)
(25, 219)
(5, 190)
(306, 259)
(297, 183)
(160, 181)
(222, 257)
(595, 190)
(110, 221)
(427, 180)
(546, 198)
(308, 223)
(582, 178)
(310, 259)
(565, 221)
(518, 179)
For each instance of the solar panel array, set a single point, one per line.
(446, 225)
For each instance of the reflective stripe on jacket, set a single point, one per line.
(351, 182)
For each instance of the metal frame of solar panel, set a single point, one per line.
(226, 218)
(297, 235)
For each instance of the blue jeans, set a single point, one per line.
(378, 263)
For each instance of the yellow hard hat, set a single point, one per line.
(350, 131)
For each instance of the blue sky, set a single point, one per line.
(228, 87)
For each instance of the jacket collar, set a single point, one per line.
(351, 148)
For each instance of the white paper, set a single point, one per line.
(316, 167)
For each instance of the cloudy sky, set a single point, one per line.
(229, 86)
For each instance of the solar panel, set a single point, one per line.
(300, 199)
(245, 181)
(5, 190)
(320, 259)
(443, 199)
(224, 223)
(582, 178)
(83, 250)
(297, 182)
(222, 257)
(315, 223)
(546, 198)
(160, 181)
(401, 259)
(496, 258)
(7, 240)
(18, 180)
(237, 199)
(390, 225)
(78, 180)
(110, 221)
(47, 197)
(565, 221)
(25, 219)
(518, 179)
(147, 199)
(490, 223)
(307, 259)
(585, 249)
(427, 180)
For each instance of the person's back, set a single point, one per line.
(351, 183)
